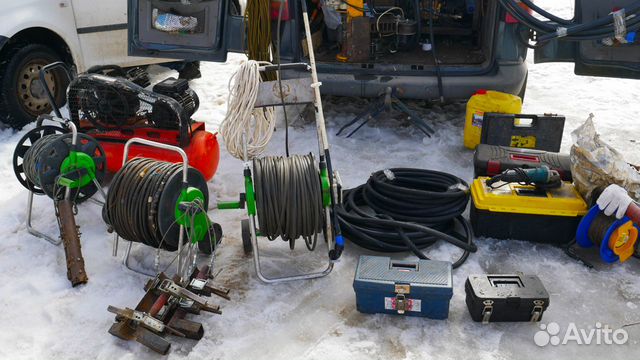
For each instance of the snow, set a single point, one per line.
(43, 317)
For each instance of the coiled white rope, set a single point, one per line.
(242, 119)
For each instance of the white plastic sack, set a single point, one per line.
(595, 165)
(332, 18)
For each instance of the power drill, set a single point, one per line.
(542, 177)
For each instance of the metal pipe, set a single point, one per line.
(74, 132)
(320, 123)
(180, 240)
(116, 239)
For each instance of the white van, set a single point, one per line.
(34, 33)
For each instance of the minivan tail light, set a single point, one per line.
(274, 10)
(510, 19)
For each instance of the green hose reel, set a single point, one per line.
(77, 162)
(191, 215)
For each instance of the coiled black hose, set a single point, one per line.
(406, 209)
(34, 156)
(133, 199)
(288, 198)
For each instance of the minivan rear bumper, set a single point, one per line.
(507, 78)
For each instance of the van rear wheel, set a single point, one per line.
(22, 95)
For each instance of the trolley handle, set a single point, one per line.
(43, 81)
(64, 122)
(183, 154)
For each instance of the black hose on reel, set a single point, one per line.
(45, 151)
(289, 198)
(32, 157)
(406, 209)
(142, 200)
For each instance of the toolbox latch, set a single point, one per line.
(401, 300)
(536, 313)
(487, 311)
(403, 289)
(401, 303)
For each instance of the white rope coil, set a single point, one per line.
(242, 118)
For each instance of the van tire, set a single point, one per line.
(22, 98)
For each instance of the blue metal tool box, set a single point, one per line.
(413, 288)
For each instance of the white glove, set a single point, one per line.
(614, 199)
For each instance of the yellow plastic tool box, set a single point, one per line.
(522, 212)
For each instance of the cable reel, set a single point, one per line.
(57, 161)
(162, 205)
(45, 161)
(287, 198)
(615, 239)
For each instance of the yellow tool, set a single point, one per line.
(354, 9)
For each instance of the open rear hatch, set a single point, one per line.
(605, 56)
(398, 34)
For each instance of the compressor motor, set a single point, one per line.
(179, 90)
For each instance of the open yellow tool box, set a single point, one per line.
(523, 212)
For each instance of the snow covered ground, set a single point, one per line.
(41, 317)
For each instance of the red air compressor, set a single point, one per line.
(114, 110)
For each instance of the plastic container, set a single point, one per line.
(411, 288)
(522, 212)
(484, 101)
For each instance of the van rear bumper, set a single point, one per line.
(507, 78)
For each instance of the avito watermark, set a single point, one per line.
(599, 334)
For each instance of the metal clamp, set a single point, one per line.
(148, 321)
(186, 297)
(536, 313)
(487, 311)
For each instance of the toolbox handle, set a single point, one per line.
(403, 266)
(518, 125)
(525, 158)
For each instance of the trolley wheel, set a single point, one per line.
(205, 245)
(246, 236)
